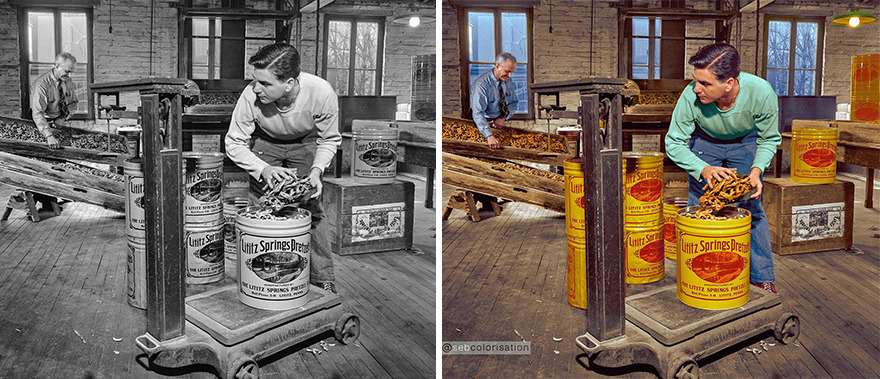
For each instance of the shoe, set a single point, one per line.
(327, 286)
(767, 286)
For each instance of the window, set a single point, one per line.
(46, 33)
(645, 48)
(218, 48)
(792, 56)
(353, 55)
(490, 32)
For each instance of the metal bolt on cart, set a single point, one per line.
(212, 328)
(653, 327)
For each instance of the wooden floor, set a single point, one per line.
(63, 304)
(504, 277)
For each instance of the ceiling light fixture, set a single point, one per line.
(413, 20)
(854, 18)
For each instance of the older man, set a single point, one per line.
(493, 98)
(53, 96)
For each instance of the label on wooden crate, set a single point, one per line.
(818, 221)
(377, 222)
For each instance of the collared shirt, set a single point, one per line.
(45, 100)
(486, 100)
(316, 107)
(756, 107)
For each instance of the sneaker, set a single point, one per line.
(327, 286)
(767, 286)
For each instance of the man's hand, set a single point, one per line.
(53, 142)
(755, 181)
(493, 142)
(315, 181)
(273, 175)
(711, 173)
(498, 122)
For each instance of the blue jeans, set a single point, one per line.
(299, 156)
(739, 156)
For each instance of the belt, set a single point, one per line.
(261, 134)
(699, 132)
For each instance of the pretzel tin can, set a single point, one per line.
(814, 155)
(671, 205)
(643, 246)
(643, 186)
(203, 174)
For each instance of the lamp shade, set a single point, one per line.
(854, 18)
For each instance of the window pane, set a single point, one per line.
(640, 51)
(778, 41)
(216, 58)
(200, 58)
(657, 51)
(657, 27)
(338, 78)
(514, 38)
(804, 82)
(481, 37)
(364, 83)
(656, 72)
(338, 48)
(74, 36)
(477, 69)
(779, 80)
(640, 72)
(520, 78)
(41, 36)
(80, 77)
(640, 26)
(805, 50)
(367, 39)
(200, 26)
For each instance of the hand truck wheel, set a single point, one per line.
(788, 328)
(347, 328)
(683, 367)
(243, 368)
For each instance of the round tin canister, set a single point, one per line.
(576, 275)
(273, 259)
(135, 217)
(136, 272)
(865, 75)
(671, 205)
(574, 197)
(814, 155)
(204, 251)
(231, 206)
(643, 186)
(203, 174)
(643, 246)
(374, 154)
(713, 259)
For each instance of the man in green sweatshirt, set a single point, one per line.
(726, 122)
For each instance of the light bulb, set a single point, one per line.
(853, 21)
(415, 21)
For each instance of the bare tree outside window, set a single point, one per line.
(352, 55)
(792, 56)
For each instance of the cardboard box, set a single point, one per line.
(367, 217)
(806, 218)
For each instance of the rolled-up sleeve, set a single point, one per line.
(329, 138)
(238, 138)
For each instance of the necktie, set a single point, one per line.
(502, 105)
(62, 102)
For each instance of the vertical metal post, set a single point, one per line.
(166, 266)
(603, 210)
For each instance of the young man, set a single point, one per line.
(53, 96)
(493, 98)
(726, 122)
(285, 123)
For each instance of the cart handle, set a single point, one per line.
(588, 339)
(147, 343)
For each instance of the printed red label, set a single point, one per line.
(818, 157)
(652, 252)
(717, 267)
(647, 190)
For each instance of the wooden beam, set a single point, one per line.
(313, 5)
(753, 6)
(505, 191)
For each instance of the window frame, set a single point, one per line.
(465, 57)
(380, 49)
(820, 49)
(24, 55)
(186, 37)
(652, 38)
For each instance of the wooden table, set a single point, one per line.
(862, 154)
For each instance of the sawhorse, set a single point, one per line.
(467, 201)
(24, 200)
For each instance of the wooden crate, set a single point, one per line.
(366, 217)
(806, 218)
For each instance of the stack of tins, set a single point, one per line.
(713, 259)
(671, 205)
(135, 225)
(374, 155)
(576, 276)
(203, 217)
(814, 155)
(643, 216)
(273, 258)
(231, 206)
(865, 87)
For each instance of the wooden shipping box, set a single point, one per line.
(367, 217)
(806, 218)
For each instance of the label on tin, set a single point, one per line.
(274, 268)
(643, 191)
(576, 276)
(714, 268)
(644, 255)
(203, 189)
(669, 234)
(204, 251)
(375, 159)
(575, 202)
(134, 198)
(815, 159)
(136, 276)
(819, 221)
(376, 222)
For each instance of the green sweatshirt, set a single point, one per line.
(755, 107)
